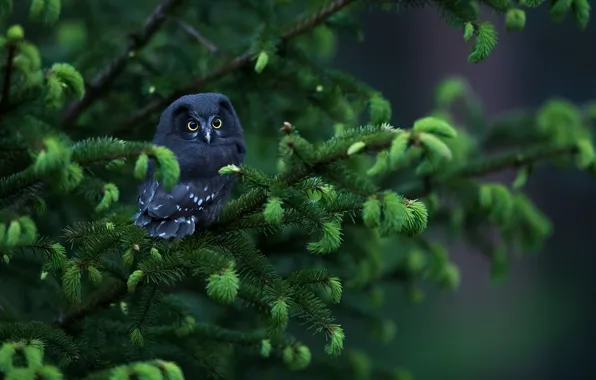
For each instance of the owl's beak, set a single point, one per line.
(206, 133)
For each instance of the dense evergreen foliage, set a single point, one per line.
(332, 203)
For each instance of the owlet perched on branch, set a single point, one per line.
(205, 134)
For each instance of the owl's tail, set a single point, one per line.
(166, 228)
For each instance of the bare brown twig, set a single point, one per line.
(100, 83)
(197, 35)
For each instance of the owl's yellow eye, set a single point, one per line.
(216, 123)
(192, 125)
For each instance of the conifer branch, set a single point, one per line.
(217, 333)
(411, 191)
(235, 64)
(492, 165)
(102, 299)
(100, 83)
(30, 182)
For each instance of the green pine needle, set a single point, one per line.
(46, 11)
(71, 282)
(279, 311)
(451, 278)
(111, 195)
(54, 155)
(531, 3)
(585, 153)
(449, 90)
(435, 126)
(70, 78)
(141, 166)
(261, 62)
(356, 147)
(416, 218)
(94, 274)
(559, 9)
(380, 109)
(581, 13)
(273, 211)
(297, 357)
(381, 164)
(6, 7)
(435, 147)
(13, 233)
(168, 163)
(335, 344)
(265, 348)
(15, 33)
(486, 40)
(223, 286)
(136, 338)
(515, 20)
(522, 177)
(330, 241)
(394, 213)
(134, 279)
(371, 213)
(469, 31)
(398, 147)
(499, 265)
(335, 288)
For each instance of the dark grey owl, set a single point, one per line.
(205, 134)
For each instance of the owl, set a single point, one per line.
(205, 134)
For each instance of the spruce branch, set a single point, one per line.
(86, 153)
(379, 139)
(255, 199)
(235, 64)
(101, 299)
(100, 83)
(483, 167)
(201, 330)
(513, 159)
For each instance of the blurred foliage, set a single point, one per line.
(334, 202)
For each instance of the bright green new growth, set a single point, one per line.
(63, 82)
(323, 216)
(262, 61)
(223, 287)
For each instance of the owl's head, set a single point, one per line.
(206, 119)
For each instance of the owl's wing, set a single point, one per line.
(185, 199)
(178, 212)
(193, 202)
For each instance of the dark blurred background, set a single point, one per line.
(539, 324)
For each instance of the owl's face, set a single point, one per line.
(204, 133)
(206, 120)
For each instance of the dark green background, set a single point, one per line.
(540, 323)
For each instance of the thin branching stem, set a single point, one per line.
(234, 65)
(197, 35)
(102, 81)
